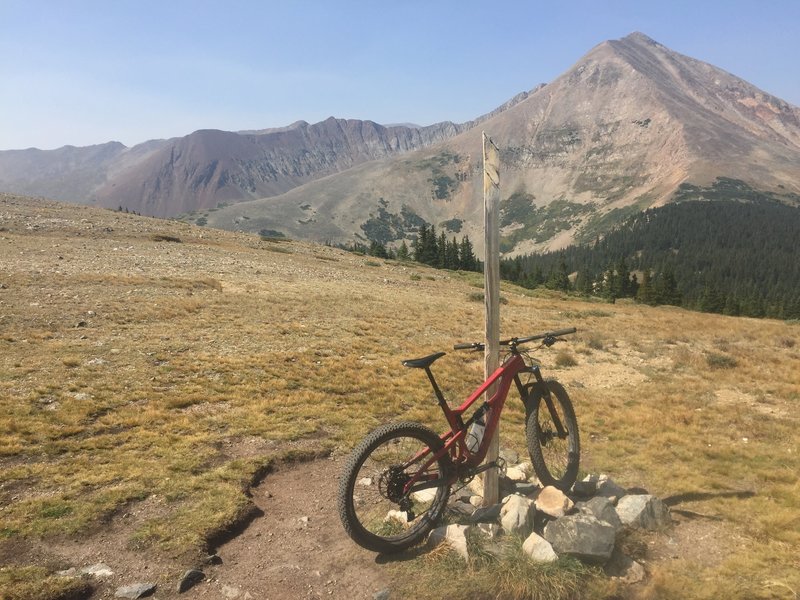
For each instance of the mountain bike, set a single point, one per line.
(396, 483)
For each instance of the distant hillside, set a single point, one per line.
(724, 255)
(208, 167)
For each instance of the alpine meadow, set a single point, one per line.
(156, 373)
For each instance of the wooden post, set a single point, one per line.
(491, 270)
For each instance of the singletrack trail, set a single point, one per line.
(297, 548)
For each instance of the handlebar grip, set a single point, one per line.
(563, 331)
(468, 346)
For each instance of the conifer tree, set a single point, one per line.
(583, 283)
(623, 279)
(646, 293)
(667, 288)
(466, 256)
(402, 251)
(633, 286)
(610, 285)
(559, 278)
(711, 300)
(426, 251)
(732, 307)
(419, 244)
(441, 251)
(378, 249)
(451, 255)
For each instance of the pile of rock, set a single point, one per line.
(584, 523)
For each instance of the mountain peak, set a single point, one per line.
(623, 128)
(640, 38)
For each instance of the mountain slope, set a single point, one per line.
(208, 167)
(67, 173)
(735, 256)
(212, 167)
(615, 134)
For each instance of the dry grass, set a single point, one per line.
(35, 583)
(133, 369)
(500, 571)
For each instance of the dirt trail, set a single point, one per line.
(297, 548)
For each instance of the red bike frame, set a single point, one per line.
(454, 439)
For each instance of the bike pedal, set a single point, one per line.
(501, 465)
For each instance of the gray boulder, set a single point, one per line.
(582, 536)
(487, 514)
(601, 509)
(643, 511)
(136, 590)
(190, 578)
(517, 514)
(608, 488)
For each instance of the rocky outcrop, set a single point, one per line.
(584, 523)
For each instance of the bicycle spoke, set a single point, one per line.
(377, 506)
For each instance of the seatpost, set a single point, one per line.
(455, 420)
(436, 390)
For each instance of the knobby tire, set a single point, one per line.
(363, 502)
(555, 457)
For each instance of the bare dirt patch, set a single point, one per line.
(294, 548)
(298, 548)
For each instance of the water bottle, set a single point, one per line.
(477, 429)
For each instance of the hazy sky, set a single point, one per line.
(85, 72)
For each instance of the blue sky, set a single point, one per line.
(84, 72)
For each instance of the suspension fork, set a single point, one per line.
(548, 399)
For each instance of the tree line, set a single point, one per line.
(428, 248)
(730, 257)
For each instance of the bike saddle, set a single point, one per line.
(424, 362)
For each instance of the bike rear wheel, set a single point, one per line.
(373, 509)
(552, 434)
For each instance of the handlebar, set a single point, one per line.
(469, 346)
(549, 339)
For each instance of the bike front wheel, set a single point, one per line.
(375, 512)
(552, 434)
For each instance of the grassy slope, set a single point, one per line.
(133, 368)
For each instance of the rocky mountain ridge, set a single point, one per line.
(619, 132)
(207, 167)
(622, 130)
(211, 167)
